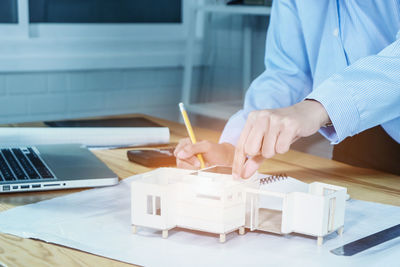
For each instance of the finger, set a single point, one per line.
(285, 139)
(193, 149)
(185, 165)
(240, 156)
(251, 166)
(181, 144)
(269, 142)
(194, 161)
(254, 141)
(296, 138)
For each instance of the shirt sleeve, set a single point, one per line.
(363, 95)
(286, 79)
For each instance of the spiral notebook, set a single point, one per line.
(283, 184)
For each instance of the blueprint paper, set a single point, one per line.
(90, 136)
(98, 221)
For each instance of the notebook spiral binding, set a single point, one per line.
(273, 178)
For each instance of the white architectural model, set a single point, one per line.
(211, 200)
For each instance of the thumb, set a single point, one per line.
(193, 149)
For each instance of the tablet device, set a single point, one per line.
(153, 158)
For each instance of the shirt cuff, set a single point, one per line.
(233, 128)
(341, 108)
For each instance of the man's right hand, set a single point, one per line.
(213, 154)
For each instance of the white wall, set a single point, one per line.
(60, 95)
(37, 96)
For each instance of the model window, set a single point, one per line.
(158, 206)
(150, 205)
(154, 205)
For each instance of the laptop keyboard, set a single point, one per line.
(22, 164)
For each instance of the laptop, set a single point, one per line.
(49, 167)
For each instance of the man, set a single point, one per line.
(331, 66)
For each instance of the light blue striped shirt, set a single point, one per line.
(343, 53)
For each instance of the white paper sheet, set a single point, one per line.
(286, 185)
(90, 136)
(98, 221)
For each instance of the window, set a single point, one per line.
(125, 19)
(92, 34)
(158, 206)
(8, 11)
(153, 205)
(150, 205)
(105, 11)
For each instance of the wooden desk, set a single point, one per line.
(363, 184)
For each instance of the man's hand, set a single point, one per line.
(213, 154)
(268, 132)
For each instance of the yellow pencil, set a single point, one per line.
(190, 132)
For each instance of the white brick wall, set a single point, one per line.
(62, 95)
(12, 107)
(2, 85)
(38, 96)
(57, 82)
(27, 83)
(46, 104)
